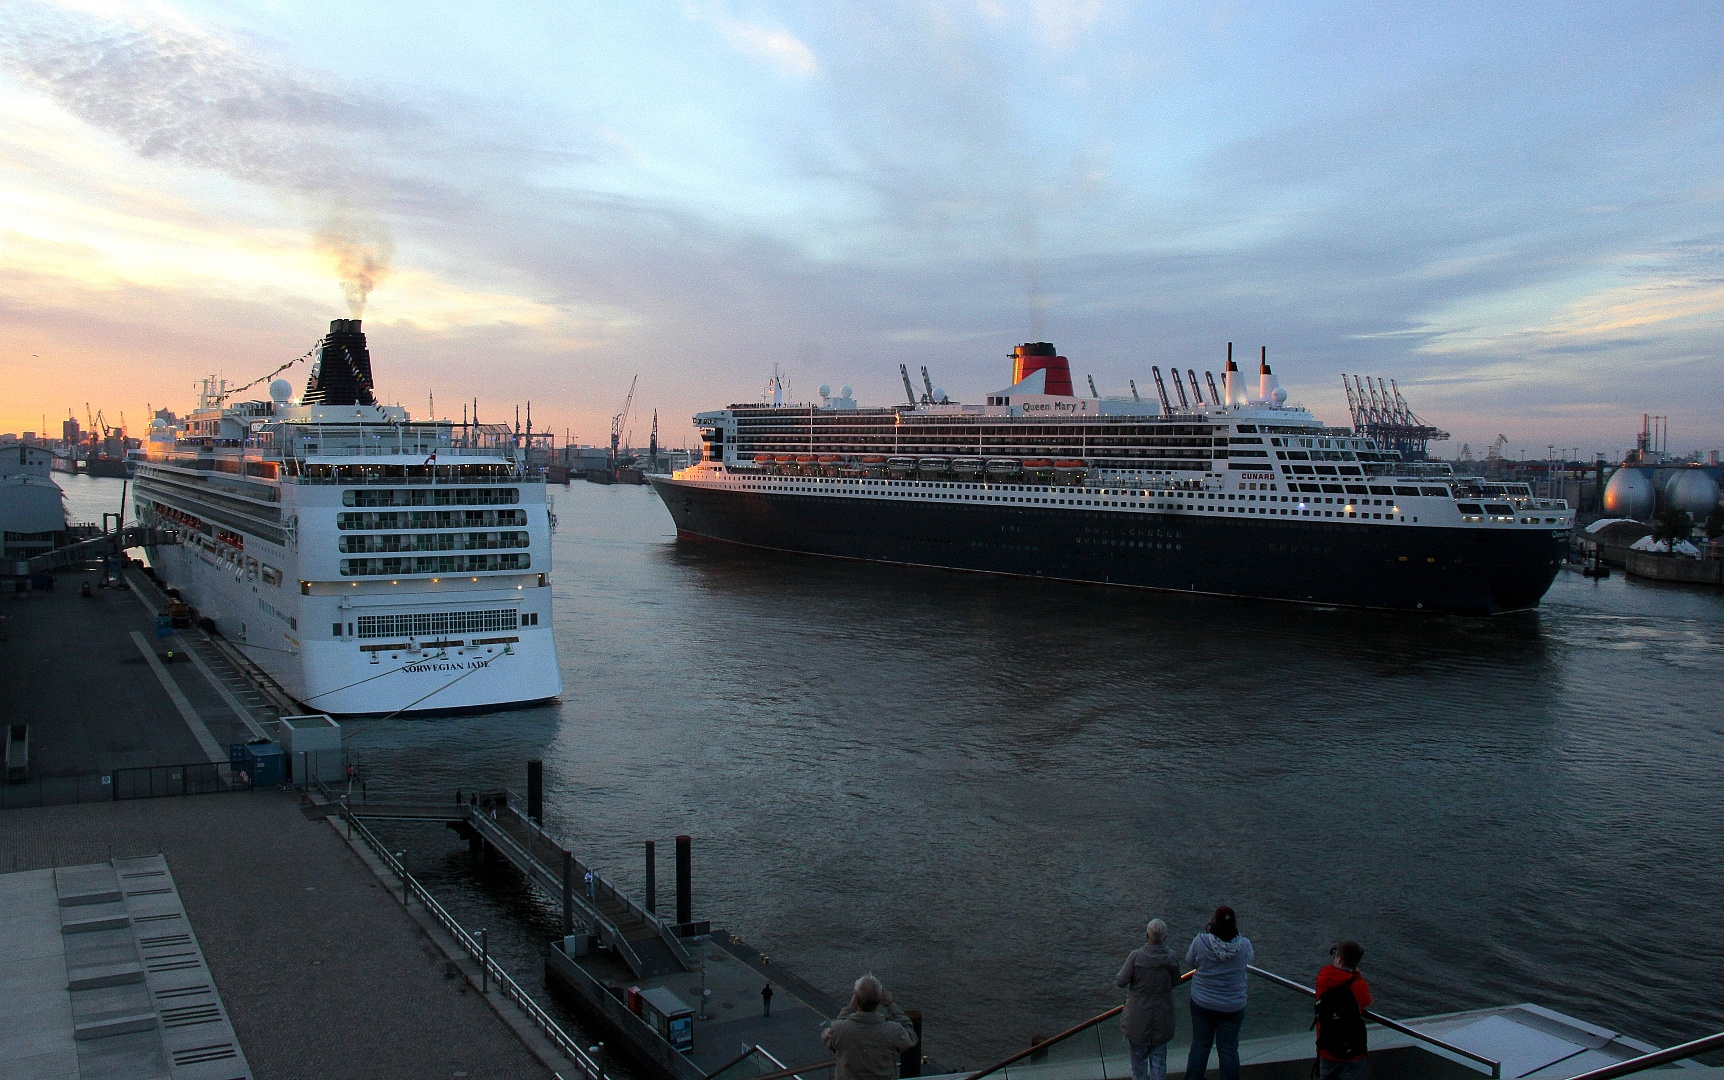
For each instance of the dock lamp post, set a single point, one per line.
(484, 960)
(401, 861)
(704, 992)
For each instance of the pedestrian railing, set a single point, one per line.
(1655, 1059)
(490, 971)
(1493, 1066)
(1071, 1046)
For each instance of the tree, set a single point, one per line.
(1672, 524)
(1715, 523)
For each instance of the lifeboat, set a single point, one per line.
(901, 466)
(830, 459)
(932, 464)
(1038, 463)
(966, 466)
(1071, 470)
(784, 459)
(1003, 467)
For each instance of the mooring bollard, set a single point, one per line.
(684, 880)
(536, 791)
(568, 893)
(484, 961)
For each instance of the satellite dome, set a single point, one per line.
(1629, 495)
(939, 395)
(280, 391)
(844, 391)
(158, 424)
(1280, 395)
(825, 391)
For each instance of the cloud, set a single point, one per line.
(773, 44)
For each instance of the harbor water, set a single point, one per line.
(981, 788)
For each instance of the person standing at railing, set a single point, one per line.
(1148, 978)
(870, 1034)
(1218, 958)
(1340, 1019)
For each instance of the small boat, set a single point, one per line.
(1003, 467)
(1071, 470)
(966, 466)
(831, 459)
(932, 465)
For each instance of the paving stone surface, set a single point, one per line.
(321, 972)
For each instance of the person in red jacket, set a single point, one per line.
(1340, 1022)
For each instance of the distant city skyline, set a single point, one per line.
(1514, 213)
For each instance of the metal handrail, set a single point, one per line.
(1043, 1045)
(1062, 1036)
(1493, 1065)
(1654, 1059)
(505, 983)
(785, 1074)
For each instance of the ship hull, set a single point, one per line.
(1334, 563)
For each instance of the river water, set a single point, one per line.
(981, 788)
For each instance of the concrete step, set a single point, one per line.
(76, 921)
(96, 976)
(80, 885)
(114, 1025)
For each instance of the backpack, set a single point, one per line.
(1340, 1026)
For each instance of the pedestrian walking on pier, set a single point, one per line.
(1148, 977)
(870, 1034)
(766, 1000)
(1218, 958)
(1343, 995)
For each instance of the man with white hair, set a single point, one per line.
(869, 1034)
(1148, 978)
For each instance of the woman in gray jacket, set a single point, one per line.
(1148, 978)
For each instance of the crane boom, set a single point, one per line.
(910, 393)
(1161, 388)
(620, 421)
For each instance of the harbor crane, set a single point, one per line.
(909, 392)
(620, 422)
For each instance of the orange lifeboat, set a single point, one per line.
(804, 459)
(830, 459)
(1038, 463)
(1072, 465)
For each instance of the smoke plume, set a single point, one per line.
(357, 251)
(171, 91)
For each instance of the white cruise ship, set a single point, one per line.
(369, 563)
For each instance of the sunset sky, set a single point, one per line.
(1517, 213)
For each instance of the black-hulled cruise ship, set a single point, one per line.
(1239, 495)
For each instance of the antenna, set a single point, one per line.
(904, 370)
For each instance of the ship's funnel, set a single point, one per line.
(341, 372)
(1233, 384)
(1034, 356)
(1265, 378)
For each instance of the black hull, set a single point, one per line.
(1333, 563)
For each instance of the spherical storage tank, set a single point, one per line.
(1692, 490)
(1629, 495)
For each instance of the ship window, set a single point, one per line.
(1406, 490)
(335, 630)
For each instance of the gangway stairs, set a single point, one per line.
(493, 823)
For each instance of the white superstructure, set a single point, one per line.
(369, 563)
